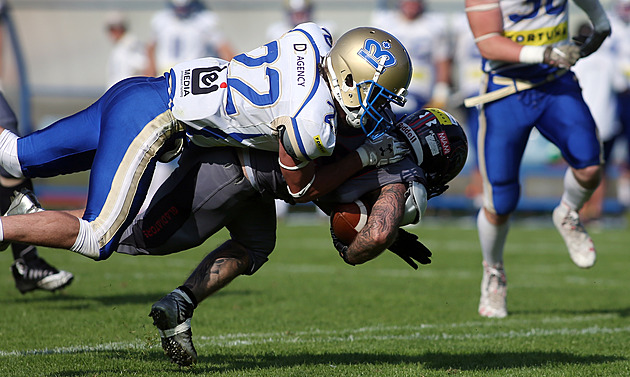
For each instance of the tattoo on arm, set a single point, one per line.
(382, 225)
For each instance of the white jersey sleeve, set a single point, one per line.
(246, 102)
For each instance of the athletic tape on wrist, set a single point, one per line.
(532, 54)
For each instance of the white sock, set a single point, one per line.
(492, 239)
(1, 231)
(8, 154)
(574, 194)
(86, 243)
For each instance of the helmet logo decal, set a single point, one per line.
(446, 146)
(376, 54)
(433, 144)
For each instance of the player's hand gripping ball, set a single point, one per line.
(347, 220)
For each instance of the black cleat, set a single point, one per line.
(37, 274)
(172, 315)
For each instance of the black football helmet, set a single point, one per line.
(438, 144)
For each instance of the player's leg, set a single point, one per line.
(253, 240)
(569, 125)
(205, 193)
(136, 124)
(504, 130)
(30, 271)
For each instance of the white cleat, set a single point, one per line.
(493, 301)
(22, 203)
(579, 243)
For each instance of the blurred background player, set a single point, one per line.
(466, 74)
(129, 55)
(30, 271)
(530, 84)
(185, 30)
(295, 12)
(597, 74)
(425, 34)
(620, 20)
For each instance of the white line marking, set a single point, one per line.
(433, 332)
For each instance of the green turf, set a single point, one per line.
(306, 313)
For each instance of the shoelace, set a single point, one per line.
(572, 219)
(39, 270)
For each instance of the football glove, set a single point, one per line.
(385, 150)
(408, 248)
(590, 44)
(340, 246)
(564, 56)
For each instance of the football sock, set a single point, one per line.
(86, 243)
(1, 232)
(574, 194)
(492, 238)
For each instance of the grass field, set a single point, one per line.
(306, 313)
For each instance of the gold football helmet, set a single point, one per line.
(367, 70)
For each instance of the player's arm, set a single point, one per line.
(151, 64)
(307, 183)
(601, 25)
(381, 229)
(486, 23)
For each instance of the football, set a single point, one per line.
(347, 219)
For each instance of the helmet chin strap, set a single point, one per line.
(352, 119)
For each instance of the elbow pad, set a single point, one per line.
(415, 205)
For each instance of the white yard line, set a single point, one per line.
(432, 332)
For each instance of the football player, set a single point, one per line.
(185, 30)
(286, 97)
(235, 188)
(425, 34)
(527, 59)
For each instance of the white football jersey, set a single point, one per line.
(534, 23)
(177, 40)
(426, 40)
(128, 58)
(246, 103)
(620, 48)
(466, 58)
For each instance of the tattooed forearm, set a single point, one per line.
(218, 269)
(382, 225)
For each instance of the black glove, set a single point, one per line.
(340, 246)
(590, 44)
(409, 248)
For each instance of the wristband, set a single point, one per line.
(532, 54)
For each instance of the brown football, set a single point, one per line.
(348, 219)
